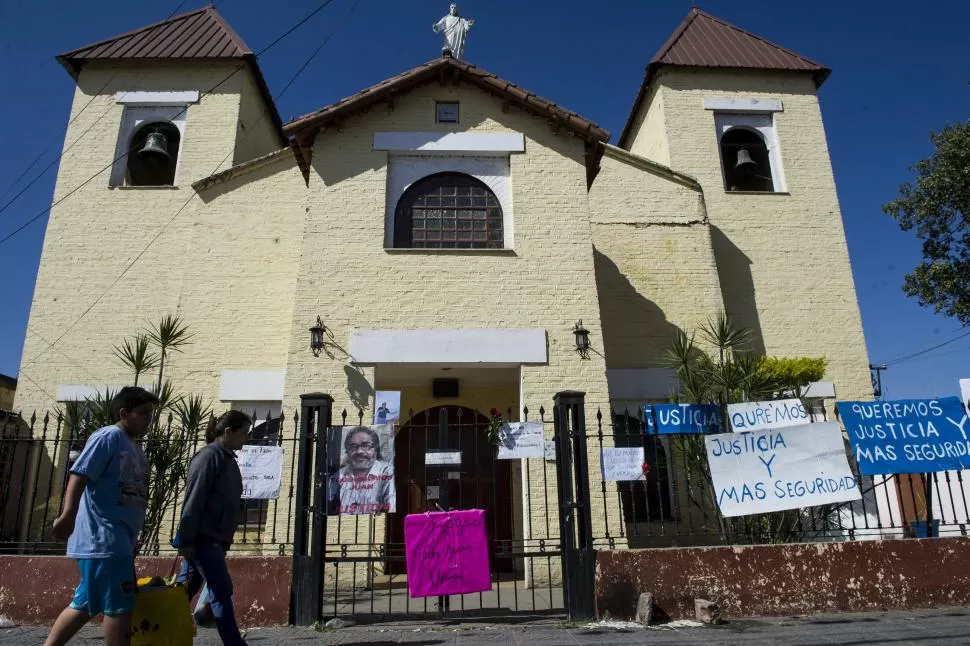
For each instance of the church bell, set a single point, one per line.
(745, 163)
(155, 148)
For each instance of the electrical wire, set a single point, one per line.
(165, 226)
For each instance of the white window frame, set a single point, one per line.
(403, 171)
(136, 115)
(763, 124)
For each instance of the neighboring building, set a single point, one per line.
(8, 388)
(444, 223)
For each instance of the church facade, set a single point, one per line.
(444, 224)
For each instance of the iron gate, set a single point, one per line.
(536, 510)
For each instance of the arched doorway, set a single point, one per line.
(480, 482)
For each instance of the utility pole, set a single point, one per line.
(876, 374)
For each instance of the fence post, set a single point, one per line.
(310, 535)
(575, 523)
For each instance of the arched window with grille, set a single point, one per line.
(449, 211)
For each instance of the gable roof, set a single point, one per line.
(446, 68)
(202, 35)
(703, 40)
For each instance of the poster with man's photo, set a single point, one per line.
(360, 470)
(387, 406)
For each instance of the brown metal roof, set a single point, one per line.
(448, 69)
(703, 40)
(202, 34)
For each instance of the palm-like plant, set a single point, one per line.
(721, 370)
(179, 420)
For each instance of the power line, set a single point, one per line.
(191, 197)
(44, 211)
(929, 349)
(55, 140)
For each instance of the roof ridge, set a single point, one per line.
(755, 36)
(134, 32)
(678, 33)
(233, 34)
(479, 77)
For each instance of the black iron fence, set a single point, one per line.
(35, 458)
(539, 510)
(674, 504)
(363, 571)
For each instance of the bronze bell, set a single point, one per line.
(155, 148)
(745, 162)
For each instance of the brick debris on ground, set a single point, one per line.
(938, 626)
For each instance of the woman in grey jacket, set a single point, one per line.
(213, 489)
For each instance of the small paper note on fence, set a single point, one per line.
(786, 468)
(622, 463)
(521, 440)
(261, 468)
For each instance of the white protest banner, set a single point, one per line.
(965, 392)
(622, 463)
(521, 440)
(261, 468)
(760, 416)
(762, 471)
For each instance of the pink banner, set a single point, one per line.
(446, 553)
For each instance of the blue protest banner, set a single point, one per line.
(908, 435)
(668, 419)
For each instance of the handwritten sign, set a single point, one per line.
(521, 440)
(786, 468)
(666, 419)
(261, 468)
(908, 435)
(760, 416)
(446, 553)
(622, 463)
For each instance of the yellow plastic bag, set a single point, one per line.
(162, 616)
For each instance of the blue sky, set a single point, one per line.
(900, 70)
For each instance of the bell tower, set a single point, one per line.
(741, 115)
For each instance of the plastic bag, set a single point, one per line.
(203, 610)
(161, 616)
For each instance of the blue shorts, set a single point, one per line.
(107, 586)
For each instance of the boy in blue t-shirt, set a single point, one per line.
(104, 510)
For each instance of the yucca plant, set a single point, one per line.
(179, 422)
(722, 370)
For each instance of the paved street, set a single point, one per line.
(941, 626)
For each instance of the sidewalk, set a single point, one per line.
(898, 628)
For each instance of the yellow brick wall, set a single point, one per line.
(650, 127)
(224, 260)
(782, 259)
(655, 268)
(256, 134)
(348, 278)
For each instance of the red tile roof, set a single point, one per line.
(202, 34)
(447, 68)
(703, 40)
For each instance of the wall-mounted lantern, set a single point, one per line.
(316, 337)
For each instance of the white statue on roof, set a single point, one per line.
(455, 30)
